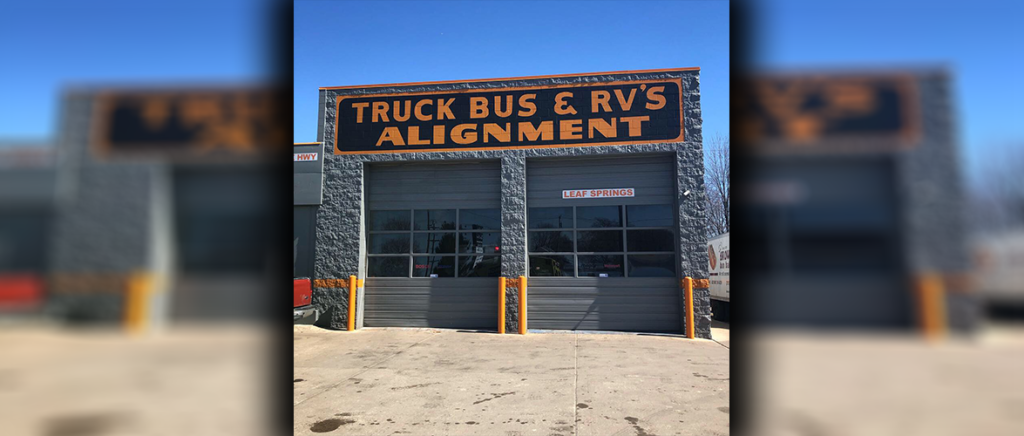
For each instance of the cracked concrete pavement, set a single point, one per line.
(427, 381)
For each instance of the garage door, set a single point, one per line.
(831, 257)
(433, 245)
(603, 263)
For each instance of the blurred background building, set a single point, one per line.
(27, 203)
(851, 201)
(152, 205)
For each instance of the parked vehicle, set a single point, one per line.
(1000, 269)
(718, 259)
(303, 298)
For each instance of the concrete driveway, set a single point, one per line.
(434, 382)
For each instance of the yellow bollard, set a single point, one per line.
(351, 303)
(688, 292)
(501, 305)
(522, 305)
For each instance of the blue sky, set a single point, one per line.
(47, 46)
(980, 42)
(363, 43)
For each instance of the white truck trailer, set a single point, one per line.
(718, 259)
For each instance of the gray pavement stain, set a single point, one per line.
(639, 430)
(365, 369)
(328, 425)
(710, 378)
(84, 425)
(496, 396)
(423, 385)
(724, 409)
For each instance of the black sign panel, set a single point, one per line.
(608, 113)
(188, 122)
(810, 109)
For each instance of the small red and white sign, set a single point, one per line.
(305, 157)
(597, 193)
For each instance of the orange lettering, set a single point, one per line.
(571, 129)
(380, 111)
(419, 110)
(634, 124)
(359, 110)
(494, 130)
(414, 136)
(444, 112)
(478, 107)
(408, 111)
(545, 131)
(438, 134)
(497, 106)
(599, 99)
(607, 130)
(561, 106)
(653, 94)
(623, 103)
(461, 136)
(527, 104)
(392, 135)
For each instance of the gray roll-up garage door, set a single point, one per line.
(603, 263)
(433, 245)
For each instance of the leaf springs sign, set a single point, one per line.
(582, 114)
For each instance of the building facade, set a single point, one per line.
(590, 186)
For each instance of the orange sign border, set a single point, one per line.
(677, 80)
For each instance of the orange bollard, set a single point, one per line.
(932, 305)
(688, 292)
(351, 303)
(522, 305)
(501, 305)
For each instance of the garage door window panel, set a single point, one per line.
(438, 219)
(649, 215)
(551, 218)
(588, 217)
(649, 240)
(552, 266)
(601, 265)
(550, 242)
(389, 243)
(387, 266)
(479, 266)
(598, 241)
(429, 266)
(480, 242)
(383, 220)
(433, 242)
